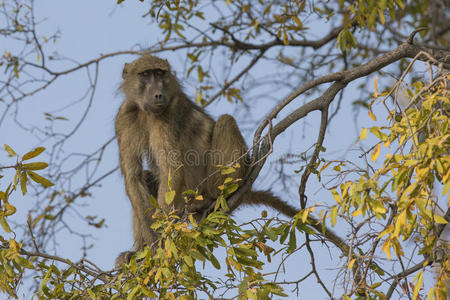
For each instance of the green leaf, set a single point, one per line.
(284, 234)
(189, 261)
(35, 166)
(91, 294)
(16, 69)
(5, 225)
(229, 189)
(39, 179)
(169, 197)
(227, 171)
(292, 242)
(197, 255)
(133, 293)
(23, 262)
(10, 150)
(148, 292)
(23, 182)
(249, 262)
(214, 262)
(153, 202)
(224, 204)
(33, 153)
(45, 280)
(400, 3)
(333, 214)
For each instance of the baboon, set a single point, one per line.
(162, 134)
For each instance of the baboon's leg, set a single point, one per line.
(227, 146)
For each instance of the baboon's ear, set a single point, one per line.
(125, 70)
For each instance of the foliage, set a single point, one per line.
(401, 193)
(382, 213)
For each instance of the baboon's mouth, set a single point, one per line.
(155, 108)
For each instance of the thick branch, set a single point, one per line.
(341, 80)
(320, 103)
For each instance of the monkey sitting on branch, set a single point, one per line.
(162, 134)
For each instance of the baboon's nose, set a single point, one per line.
(158, 96)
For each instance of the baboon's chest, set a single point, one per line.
(164, 149)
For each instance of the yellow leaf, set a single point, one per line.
(438, 219)
(418, 286)
(191, 218)
(325, 166)
(375, 153)
(199, 97)
(371, 115)
(33, 153)
(305, 215)
(381, 14)
(388, 229)
(378, 206)
(387, 249)
(285, 37)
(375, 85)
(14, 245)
(227, 171)
(297, 21)
(357, 213)
(10, 150)
(363, 134)
(9, 209)
(336, 196)
(250, 294)
(352, 262)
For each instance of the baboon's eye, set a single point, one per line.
(145, 73)
(159, 73)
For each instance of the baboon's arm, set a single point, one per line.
(131, 148)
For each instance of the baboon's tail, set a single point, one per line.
(266, 198)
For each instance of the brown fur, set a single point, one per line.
(158, 125)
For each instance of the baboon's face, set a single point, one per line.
(152, 89)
